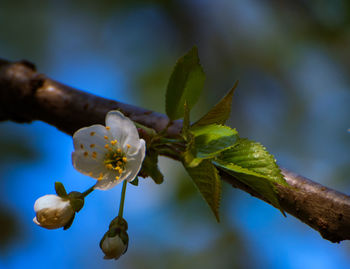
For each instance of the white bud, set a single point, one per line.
(52, 211)
(113, 247)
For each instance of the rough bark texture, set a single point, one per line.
(26, 95)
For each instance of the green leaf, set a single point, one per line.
(205, 177)
(145, 129)
(249, 162)
(185, 132)
(150, 167)
(220, 112)
(135, 182)
(254, 156)
(209, 141)
(189, 156)
(76, 200)
(69, 223)
(77, 204)
(185, 83)
(60, 190)
(257, 182)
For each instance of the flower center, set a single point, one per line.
(115, 160)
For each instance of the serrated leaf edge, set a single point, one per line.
(196, 161)
(252, 173)
(179, 61)
(281, 180)
(214, 124)
(217, 190)
(208, 116)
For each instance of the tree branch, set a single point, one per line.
(26, 95)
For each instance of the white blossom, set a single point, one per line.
(113, 247)
(52, 211)
(110, 153)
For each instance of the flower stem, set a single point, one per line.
(88, 191)
(122, 199)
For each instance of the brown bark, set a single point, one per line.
(26, 95)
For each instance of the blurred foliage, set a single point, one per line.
(216, 254)
(9, 229)
(15, 148)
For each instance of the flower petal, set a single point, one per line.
(49, 201)
(93, 135)
(131, 148)
(36, 221)
(91, 149)
(135, 162)
(88, 165)
(132, 168)
(122, 128)
(113, 247)
(108, 182)
(52, 211)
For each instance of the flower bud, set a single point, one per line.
(113, 247)
(116, 240)
(53, 212)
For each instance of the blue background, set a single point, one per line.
(292, 60)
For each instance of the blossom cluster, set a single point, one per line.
(111, 154)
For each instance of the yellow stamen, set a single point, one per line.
(92, 133)
(120, 170)
(92, 145)
(109, 166)
(86, 153)
(94, 154)
(124, 159)
(105, 137)
(108, 128)
(116, 178)
(100, 177)
(90, 174)
(128, 146)
(113, 142)
(119, 150)
(81, 146)
(106, 146)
